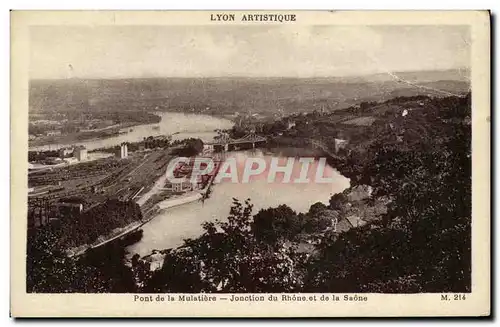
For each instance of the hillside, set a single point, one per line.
(228, 95)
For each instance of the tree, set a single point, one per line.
(49, 270)
(98, 221)
(228, 258)
(337, 201)
(190, 147)
(317, 208)
(275, 225)
(423, 242)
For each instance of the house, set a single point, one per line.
(340, 144)
(341, 225)
(359, 193)
(208, 147)
(290, 124)
(155, 260)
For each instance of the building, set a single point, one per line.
(64, 152)
(208, 148)
(70, 161)
(183, 171)
(184, 186)
(155, 260)
(69, 209)
(80, 153)
(37, 218)
(341, 225)
(97, 189)
(53, 161)
(360, 193)
(123, 151)
(340, 144)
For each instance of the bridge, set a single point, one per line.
(226, 143)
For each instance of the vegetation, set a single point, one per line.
(49, 270)
(188, 147)
(227, 258)
(100, 220)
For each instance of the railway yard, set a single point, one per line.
(92, 183)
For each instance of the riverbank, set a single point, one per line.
(179, 125)
(187, 198)
(89, 134)
(58, 142)
(101, 241)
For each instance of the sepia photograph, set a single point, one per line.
(252, 153)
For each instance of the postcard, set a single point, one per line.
(250, 163)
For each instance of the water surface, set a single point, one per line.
(172, 226)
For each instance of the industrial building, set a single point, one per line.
(183, 186)
(80, 153)
(123, 151)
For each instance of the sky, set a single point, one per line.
(251, 51)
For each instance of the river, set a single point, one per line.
(172, 226)
(179, 125)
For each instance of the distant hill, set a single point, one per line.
(459, 75)
(228, 95)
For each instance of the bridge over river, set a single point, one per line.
(225, 143)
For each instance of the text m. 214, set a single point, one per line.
(453, 297)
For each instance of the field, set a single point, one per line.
(361, 121)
